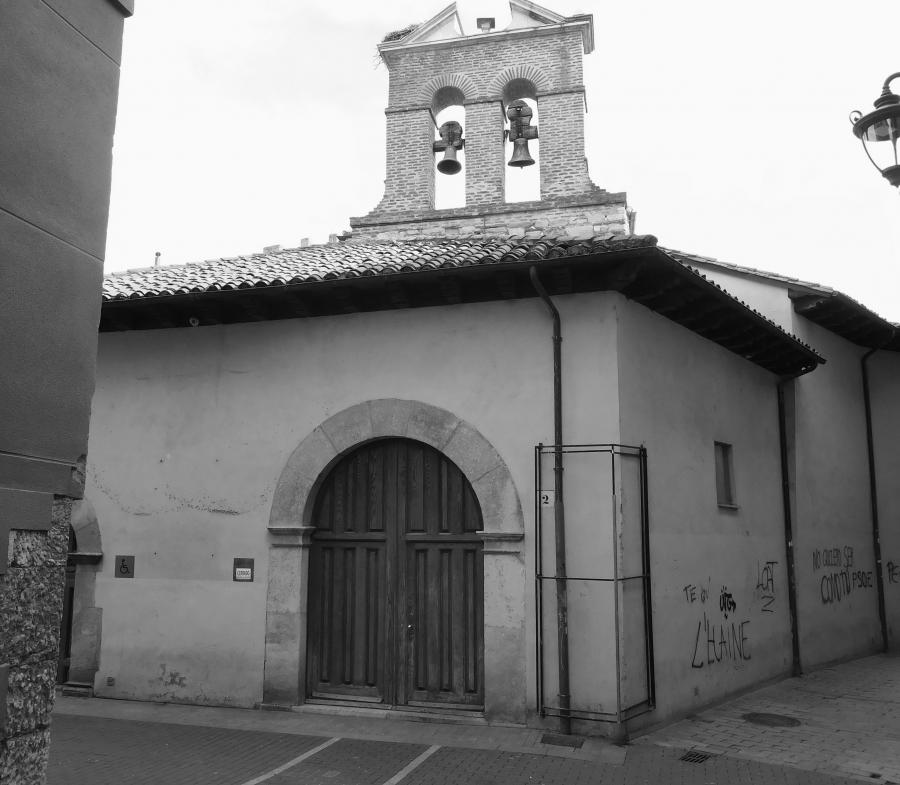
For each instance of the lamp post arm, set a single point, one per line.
(886, 88)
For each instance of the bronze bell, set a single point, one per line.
(520, 156)
(451, 140)
(448, 164)
(520, 131)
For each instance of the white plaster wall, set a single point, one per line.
(192, 427)
(837, 602)
(770, 299)
(884, 383)
(680, 394)
(837, 599)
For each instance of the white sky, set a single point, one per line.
(246, 124)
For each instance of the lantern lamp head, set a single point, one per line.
(879, 131)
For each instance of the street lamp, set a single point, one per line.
(881, 125)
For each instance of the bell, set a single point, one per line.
(521, 156)
(448, 164)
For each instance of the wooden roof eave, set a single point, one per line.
(634, 272)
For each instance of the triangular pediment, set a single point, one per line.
(447, 26)
(527, 14)
(440, 27)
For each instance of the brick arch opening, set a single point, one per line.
(522, 184)
(458, 85)
(290, 527)
(519, 88)
(518, 75)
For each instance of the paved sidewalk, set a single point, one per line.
(848, 722)
(109, 751)
(843, 721)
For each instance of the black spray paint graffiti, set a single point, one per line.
(839, 583)
(716, 640)
(765, 585)
(726, 602)
(893, 572)
(833, 557)
(723, 641)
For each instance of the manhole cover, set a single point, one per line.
(695, 756)
(562, 741)
(772, 720)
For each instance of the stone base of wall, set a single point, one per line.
(30, 609)
(23, 759)
(592, 214)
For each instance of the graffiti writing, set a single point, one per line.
(718, 639)
(835, 586)
(765, 585)
(841, 581)
(893, 572)
(726, 602)
(833, 557)
(692, 592)
(717, 642)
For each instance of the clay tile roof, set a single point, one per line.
(356, 275)
(827, 307)
(345, 260)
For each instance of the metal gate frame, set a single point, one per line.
(622, 713)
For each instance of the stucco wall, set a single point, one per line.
(679, 395)
(884, 382)
(837, 597)
(192, 428)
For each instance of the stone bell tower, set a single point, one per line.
(433, 66)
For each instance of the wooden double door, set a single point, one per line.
(396, 581)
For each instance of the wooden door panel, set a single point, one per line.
(395, 592)
(445, 609)
(347, 632)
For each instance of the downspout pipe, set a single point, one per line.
(559, 515)
(873, 487)
(797, 668)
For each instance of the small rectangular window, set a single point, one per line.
(724, 476)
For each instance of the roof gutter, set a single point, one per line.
(797, 667)
(559, 515)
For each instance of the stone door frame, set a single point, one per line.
(290, 530)
(87, 619)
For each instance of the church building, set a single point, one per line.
(507, 460)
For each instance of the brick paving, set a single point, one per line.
(351, 762)
(849, 727)
(103, 751)
(849, 719)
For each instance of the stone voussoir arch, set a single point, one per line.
(482, 465)
(290, 529)
(526, 71)
(86, 527)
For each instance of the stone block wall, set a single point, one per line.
(30, 610)
(599, 215)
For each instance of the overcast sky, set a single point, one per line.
(242, 125)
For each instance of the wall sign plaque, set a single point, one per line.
(243, 570)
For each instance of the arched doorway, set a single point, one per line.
(396, 611)
(65, 628)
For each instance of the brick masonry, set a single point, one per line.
(484, 74)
